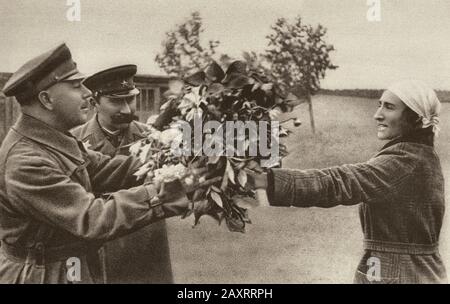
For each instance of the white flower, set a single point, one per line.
(155, 135)
(135, 148)
(170, 135)
(170, 173)
(191, 100)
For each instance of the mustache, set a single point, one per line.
(120, 118)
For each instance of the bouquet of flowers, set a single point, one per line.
(225, 121)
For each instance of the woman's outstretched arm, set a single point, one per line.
(377, 180)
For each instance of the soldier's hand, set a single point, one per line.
(174, 195)
(179, 188)
(175, 205)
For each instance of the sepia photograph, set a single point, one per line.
(224, 142)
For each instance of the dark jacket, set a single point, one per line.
(93, 137)
(141, 257)
(401, 191)
(48, 211)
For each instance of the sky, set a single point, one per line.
(411, 40)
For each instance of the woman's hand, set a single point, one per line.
(258, 181)
(256, 177)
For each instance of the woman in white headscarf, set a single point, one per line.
(400, 190)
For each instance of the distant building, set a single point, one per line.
(9, 108)
(152, 88)
(3, 79)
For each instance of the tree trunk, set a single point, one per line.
(311, 114)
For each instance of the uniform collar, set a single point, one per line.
(110, 133)
(38, 131)
(129, 133)
(97, 136)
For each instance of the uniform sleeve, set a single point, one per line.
(377, 180)
(111, 174)
(42, 191)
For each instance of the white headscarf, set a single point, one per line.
(420, 98)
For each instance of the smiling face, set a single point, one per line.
(391, 118)
(112, 111)
(71, 104)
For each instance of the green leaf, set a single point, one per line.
(215, 88)
(224, 184)
(217, 199)
(244, 213)
(207, 207)
(245, 202)
(196, 79)
(242, 178)
(230, 172)
(235, 224)
(200, 208)
(214, 72)
(214, 188)
(236, 81)
(237, 67)
(144, 152)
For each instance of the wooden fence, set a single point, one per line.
(9, 111)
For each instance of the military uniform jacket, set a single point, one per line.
(141, 257)
(47, 203)
(94, 138)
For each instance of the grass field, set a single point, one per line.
(292, 245)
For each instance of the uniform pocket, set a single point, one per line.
(15, 272)
(33, 274)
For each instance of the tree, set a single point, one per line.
(182, 51)
(258, 64)
(298, 56)
(296, 59)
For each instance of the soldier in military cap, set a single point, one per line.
(133, 258)
(114, 125)
(49, 211)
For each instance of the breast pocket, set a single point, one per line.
(14, 271)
